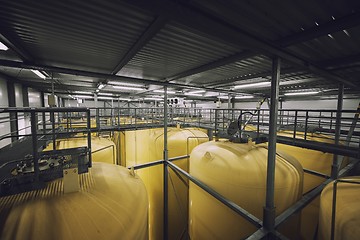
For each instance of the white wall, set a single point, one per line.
(34, 98)
(23, 119)
(348, 104)
(4, 126)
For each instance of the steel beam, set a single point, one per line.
(241, 78)
(149, 33)
(343, 61)
(218, 63)
(269, 209)
(9, 40)
(76, 72)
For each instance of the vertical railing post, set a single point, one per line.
(258, 125)
(269, 209)
(306, 124)
(88, 124)
(295, 125)
(52, 119)
(166, 173)
(34, 144)
(335, 165)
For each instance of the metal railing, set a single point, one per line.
(297, 124)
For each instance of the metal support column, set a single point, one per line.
(88, 125)
(335, 165)
(269, 209)
(35, 145)
(166, 170)
(42, 99)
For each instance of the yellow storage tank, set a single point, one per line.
(118, 137)
(309, 159)
(111, 204)
(238, 172)
(77, 123)
(314, 160)
(347, 215)
(102, 149)
(147, 145)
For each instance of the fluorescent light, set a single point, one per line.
(301, 93)
(244, 97)
(193, 94)
(198, 91)
(82, 96)
(259, 84)
(101, 86)
(38, 73)
(106, 98)
(105, 94)
(223, 97)
(124, 99)
(154, 99)
(128, 88)
(81, 92)
(3, 47)
(162, 91)
(70, 96)
(126, 84)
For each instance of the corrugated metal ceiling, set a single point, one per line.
(90, 36)
(96, 35)
(174, 49)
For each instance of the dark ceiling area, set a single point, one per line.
(223, 47)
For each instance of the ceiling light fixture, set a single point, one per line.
(153, 99)
(128, 88)
(81, 92)
(193, 94)
(82, 96)
(162, 91)
(39, 74)
(124, 99)
(301, 93)
(106, 98)
(3, 47)
(244, 97)
(223, 96)
(125, 84)
(259, 84)
(101, 86)
(198, 91)
(105, 94)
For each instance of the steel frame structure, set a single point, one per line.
(265, 228)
